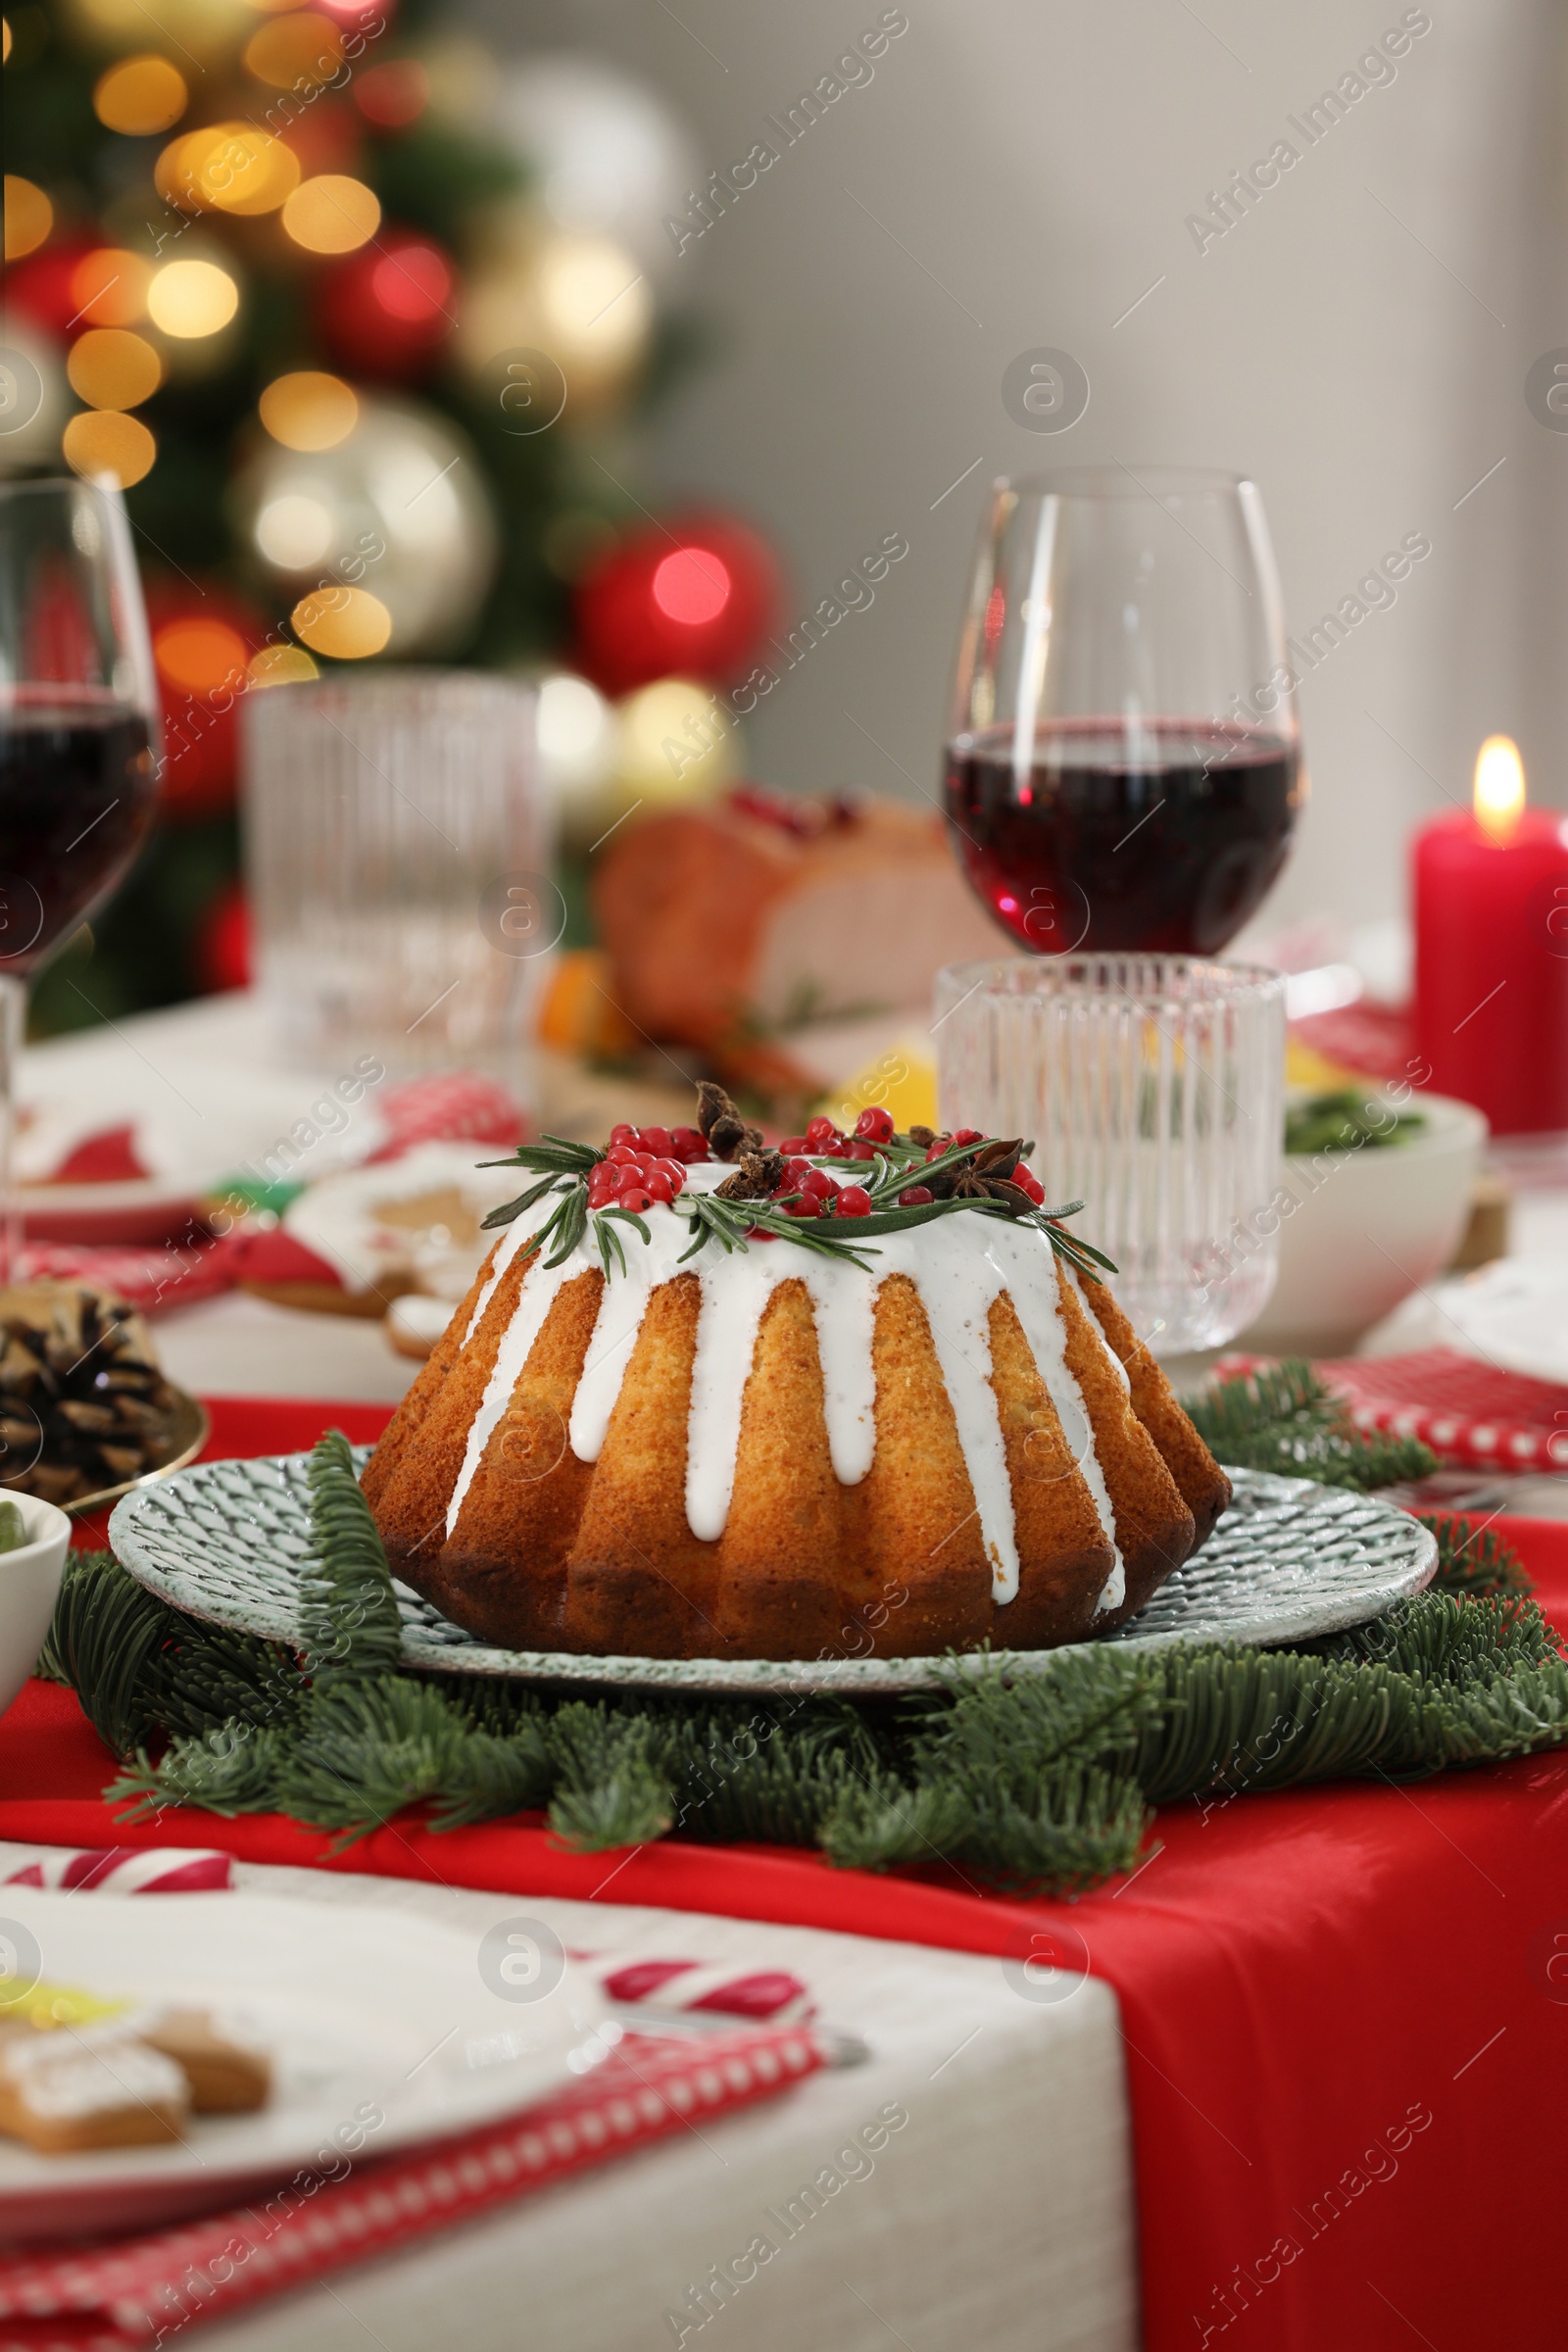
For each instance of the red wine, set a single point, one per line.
(78, 783)
(1165, 840)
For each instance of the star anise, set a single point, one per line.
(758, 1177)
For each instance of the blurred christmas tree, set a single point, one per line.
(356, 315)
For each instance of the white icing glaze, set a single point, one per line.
(510, 1242)
(89, 2070)
(960, 1266)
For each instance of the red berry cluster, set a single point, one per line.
(643, 1166)
(824, 1140)
(808, 1192)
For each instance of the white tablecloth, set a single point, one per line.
(1000, 2219)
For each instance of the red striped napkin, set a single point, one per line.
(1469, 1412)
(174, 1274)
(122, 2295)
(125, 1869)
(673, 1987)
(694, 1988)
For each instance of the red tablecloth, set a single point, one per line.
(1345, 2009)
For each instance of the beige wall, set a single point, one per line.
(1358, 343)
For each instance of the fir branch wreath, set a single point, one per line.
(1045, 1784)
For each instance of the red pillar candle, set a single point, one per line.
(1491, 952)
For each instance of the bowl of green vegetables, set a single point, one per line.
(1373, 1199)
(33, 1536)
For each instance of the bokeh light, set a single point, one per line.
(109, 286)
(692, 586)
(226, 168)
(576, 731)
(141, 95)
(196, 30)
(295, 49)
(594, 305)
(414, 284)
(30, 217)
(308, 409)
(102, 441)
(332, 214)
(191, 298)
(675, 743)
(393, 95)
(202, 657)
(295, 531)
(349, 624)
(583, 300)
(109, 368)
(283, 665)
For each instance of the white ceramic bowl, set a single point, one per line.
(29, 1579)
(1362, 1230)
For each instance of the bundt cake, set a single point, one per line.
(654, 1427)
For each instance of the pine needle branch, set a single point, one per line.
(614, 1784)
(1285, 1418)
(1474, 1559)
(107, 1632)
(348, 1609)
(1037, 1781)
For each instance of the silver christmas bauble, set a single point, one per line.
(397, 507)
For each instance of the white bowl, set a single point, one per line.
(29, 1581)
(1362, 1230)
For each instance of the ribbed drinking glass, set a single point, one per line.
(1152, 1088)
(397, 851)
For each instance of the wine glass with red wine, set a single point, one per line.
(79, 740)
(1124, 764)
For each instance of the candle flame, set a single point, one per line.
(1499, 788)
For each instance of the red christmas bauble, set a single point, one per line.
(201, 646)
(222, 946)
(693, 600)
(41, 287)
(385, 311)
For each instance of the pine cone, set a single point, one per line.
(82, 1405)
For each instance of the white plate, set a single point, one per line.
(1513, 1313)
(370, 2013)
(1290, 1560)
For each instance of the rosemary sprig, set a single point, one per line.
(1082, 1256)
(730, 1221)
(610, 1239)
(563, 1228)
(551, 1157)
(895, 1177)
